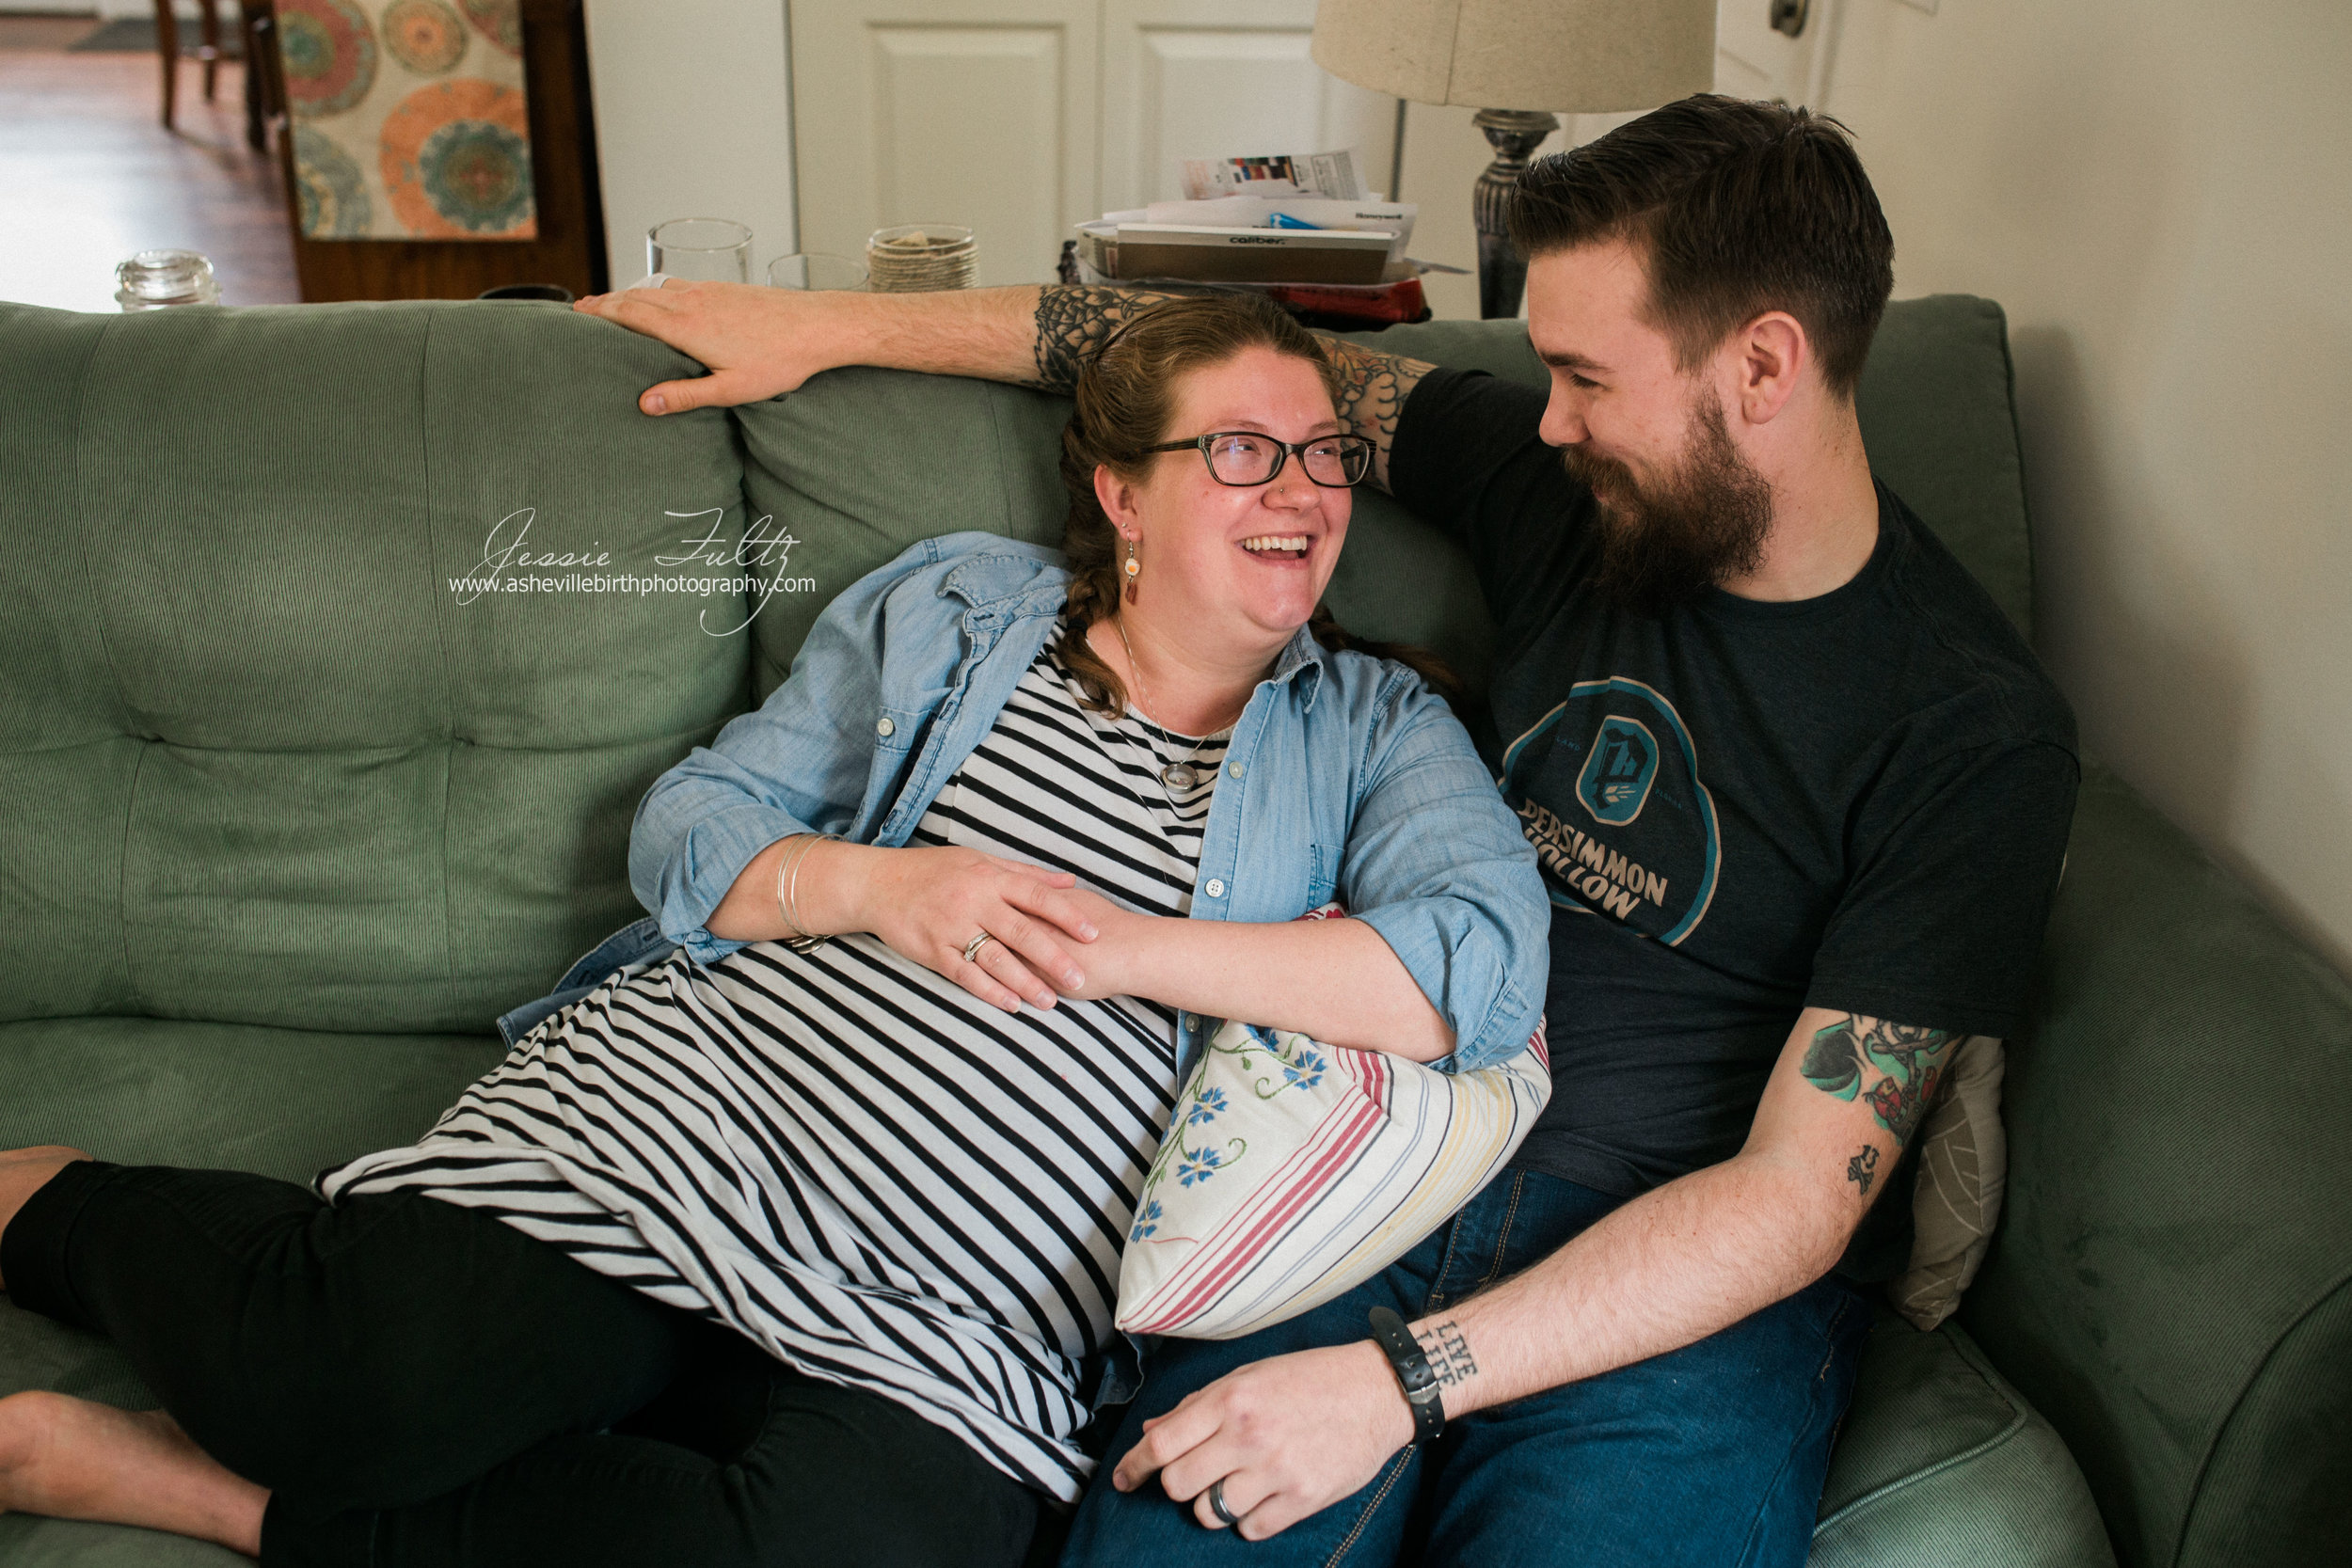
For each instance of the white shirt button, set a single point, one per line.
(883, 727)
(1235, 768)
(1215, 888)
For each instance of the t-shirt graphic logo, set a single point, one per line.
(1607, 788)
(1618, 772)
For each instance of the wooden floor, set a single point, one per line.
(88, 175)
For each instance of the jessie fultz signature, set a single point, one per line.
(761, 556)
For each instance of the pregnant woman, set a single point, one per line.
(796, 1240)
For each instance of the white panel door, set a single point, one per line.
(1218, 78)
(971, 112)
(1753, 59)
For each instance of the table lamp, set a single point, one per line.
(1577, 57)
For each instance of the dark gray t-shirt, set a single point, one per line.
(1857, 801)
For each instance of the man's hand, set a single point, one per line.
(1288, 1436)
(757, 341)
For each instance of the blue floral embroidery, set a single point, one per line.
(1148, 1221)
(1198, 1164)
(1304, 1072)
(1205, 1108)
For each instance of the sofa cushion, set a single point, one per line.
(1934, 405)
(284, 1102)
(1936, 416)
(1942, 1465)
(276, 769)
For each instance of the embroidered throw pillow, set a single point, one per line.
(1293, 1171)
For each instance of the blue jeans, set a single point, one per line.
(1712, 1455)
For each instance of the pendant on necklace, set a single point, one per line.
(1179, 776)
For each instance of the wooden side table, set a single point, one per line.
(569, 249)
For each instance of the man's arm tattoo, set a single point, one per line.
(1373, 390)
(1906, 1062)
(1862, 1168)
(1073, 322)
(1449, 1353)
(1072, 325)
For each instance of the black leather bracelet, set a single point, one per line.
(1413, 1372)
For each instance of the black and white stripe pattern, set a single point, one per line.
(851, 1159)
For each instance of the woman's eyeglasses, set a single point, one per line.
(1244, 457)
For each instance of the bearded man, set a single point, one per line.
(1801, 795)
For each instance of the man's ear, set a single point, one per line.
(1773, 354)
(1118, 497)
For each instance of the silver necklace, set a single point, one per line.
(1182, 776)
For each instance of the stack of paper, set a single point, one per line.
(1296, 218)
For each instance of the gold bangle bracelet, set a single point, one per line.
(784, 911)
(806, 939)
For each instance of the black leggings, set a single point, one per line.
(420, 1384)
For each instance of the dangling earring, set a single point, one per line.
(1132, 571)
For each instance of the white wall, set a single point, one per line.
(693, 119)
(2156, 191)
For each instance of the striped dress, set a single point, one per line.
(881, 1180)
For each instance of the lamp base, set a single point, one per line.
(1514, 134)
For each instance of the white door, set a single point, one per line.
(973, 112)
(1020, 118)
(1219, 79)
(1756, 59)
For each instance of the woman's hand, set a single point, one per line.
(927, 904)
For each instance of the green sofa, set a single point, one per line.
(287, 818)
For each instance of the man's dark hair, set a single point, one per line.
(1737, 209)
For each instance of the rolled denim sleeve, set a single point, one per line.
(802, 762)
(1436, 864)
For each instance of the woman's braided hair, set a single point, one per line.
(1124, 403)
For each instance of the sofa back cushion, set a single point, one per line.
(263, 764)
(860, 464)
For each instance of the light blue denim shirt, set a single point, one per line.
(1345, 778)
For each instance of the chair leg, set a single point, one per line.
(256, 116)
(167, 44)
(212, 46)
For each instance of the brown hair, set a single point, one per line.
(1738, 208)
(1125, 402)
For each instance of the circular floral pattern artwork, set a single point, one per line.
(500, 21)
(423, 35)
(456, 162)
(329, 55)
(329, 188)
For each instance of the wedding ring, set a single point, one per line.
(971, 948)
(1217, 1502)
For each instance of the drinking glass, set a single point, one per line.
(715, 249)
(814, 269)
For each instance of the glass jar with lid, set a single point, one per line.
(155, 279)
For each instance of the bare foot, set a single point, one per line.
(70, 1459)
(26, 1171)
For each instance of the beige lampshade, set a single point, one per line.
(1571, 56)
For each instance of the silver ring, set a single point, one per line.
(971, 948)
(1217, 1502)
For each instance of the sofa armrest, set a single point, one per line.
(2172, 1285)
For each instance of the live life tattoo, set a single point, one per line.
(1449, 1353)
(1907, 1064)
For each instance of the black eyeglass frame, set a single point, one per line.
(1283, 450)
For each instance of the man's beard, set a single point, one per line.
(1705, 520)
